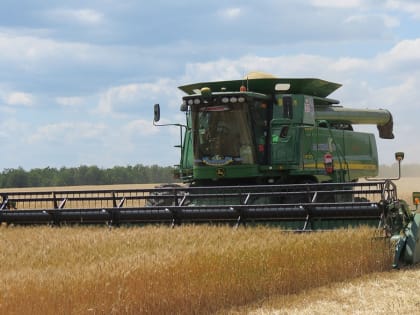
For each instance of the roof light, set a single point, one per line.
(399, 156)
(282, 86)
(206, 93)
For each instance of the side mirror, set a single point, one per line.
(184, 107)
(156, 112)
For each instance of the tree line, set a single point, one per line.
(137, 174)
(85, 175)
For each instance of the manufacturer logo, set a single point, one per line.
(220, 172)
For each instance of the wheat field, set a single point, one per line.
(201, 270)
(159, 270)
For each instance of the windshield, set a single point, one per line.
(222, 134)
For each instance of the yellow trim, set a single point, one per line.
(351, 166)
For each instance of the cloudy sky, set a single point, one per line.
(78, 79)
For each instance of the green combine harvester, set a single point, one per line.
(260, 150)
(275, 131)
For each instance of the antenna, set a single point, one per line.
(399, 156)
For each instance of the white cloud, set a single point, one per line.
(349, 64)
(39, 54)
(65, 132)
(19, 98)
(7, 110)
(71, 101)
(81, 16)
(116, 98)
(281, 66)
(13, 129)
(230, 13)
(139, 128)
(410, 7)
(405, 50)
(388, 21)
(401, 95)
(22, 49)
(344, 4)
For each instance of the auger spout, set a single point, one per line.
(382, 118)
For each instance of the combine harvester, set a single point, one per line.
(262, 150)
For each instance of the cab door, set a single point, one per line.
(283, 144)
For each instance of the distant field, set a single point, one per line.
(84, 187)
(406, 186)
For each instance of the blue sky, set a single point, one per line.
(78, 79)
